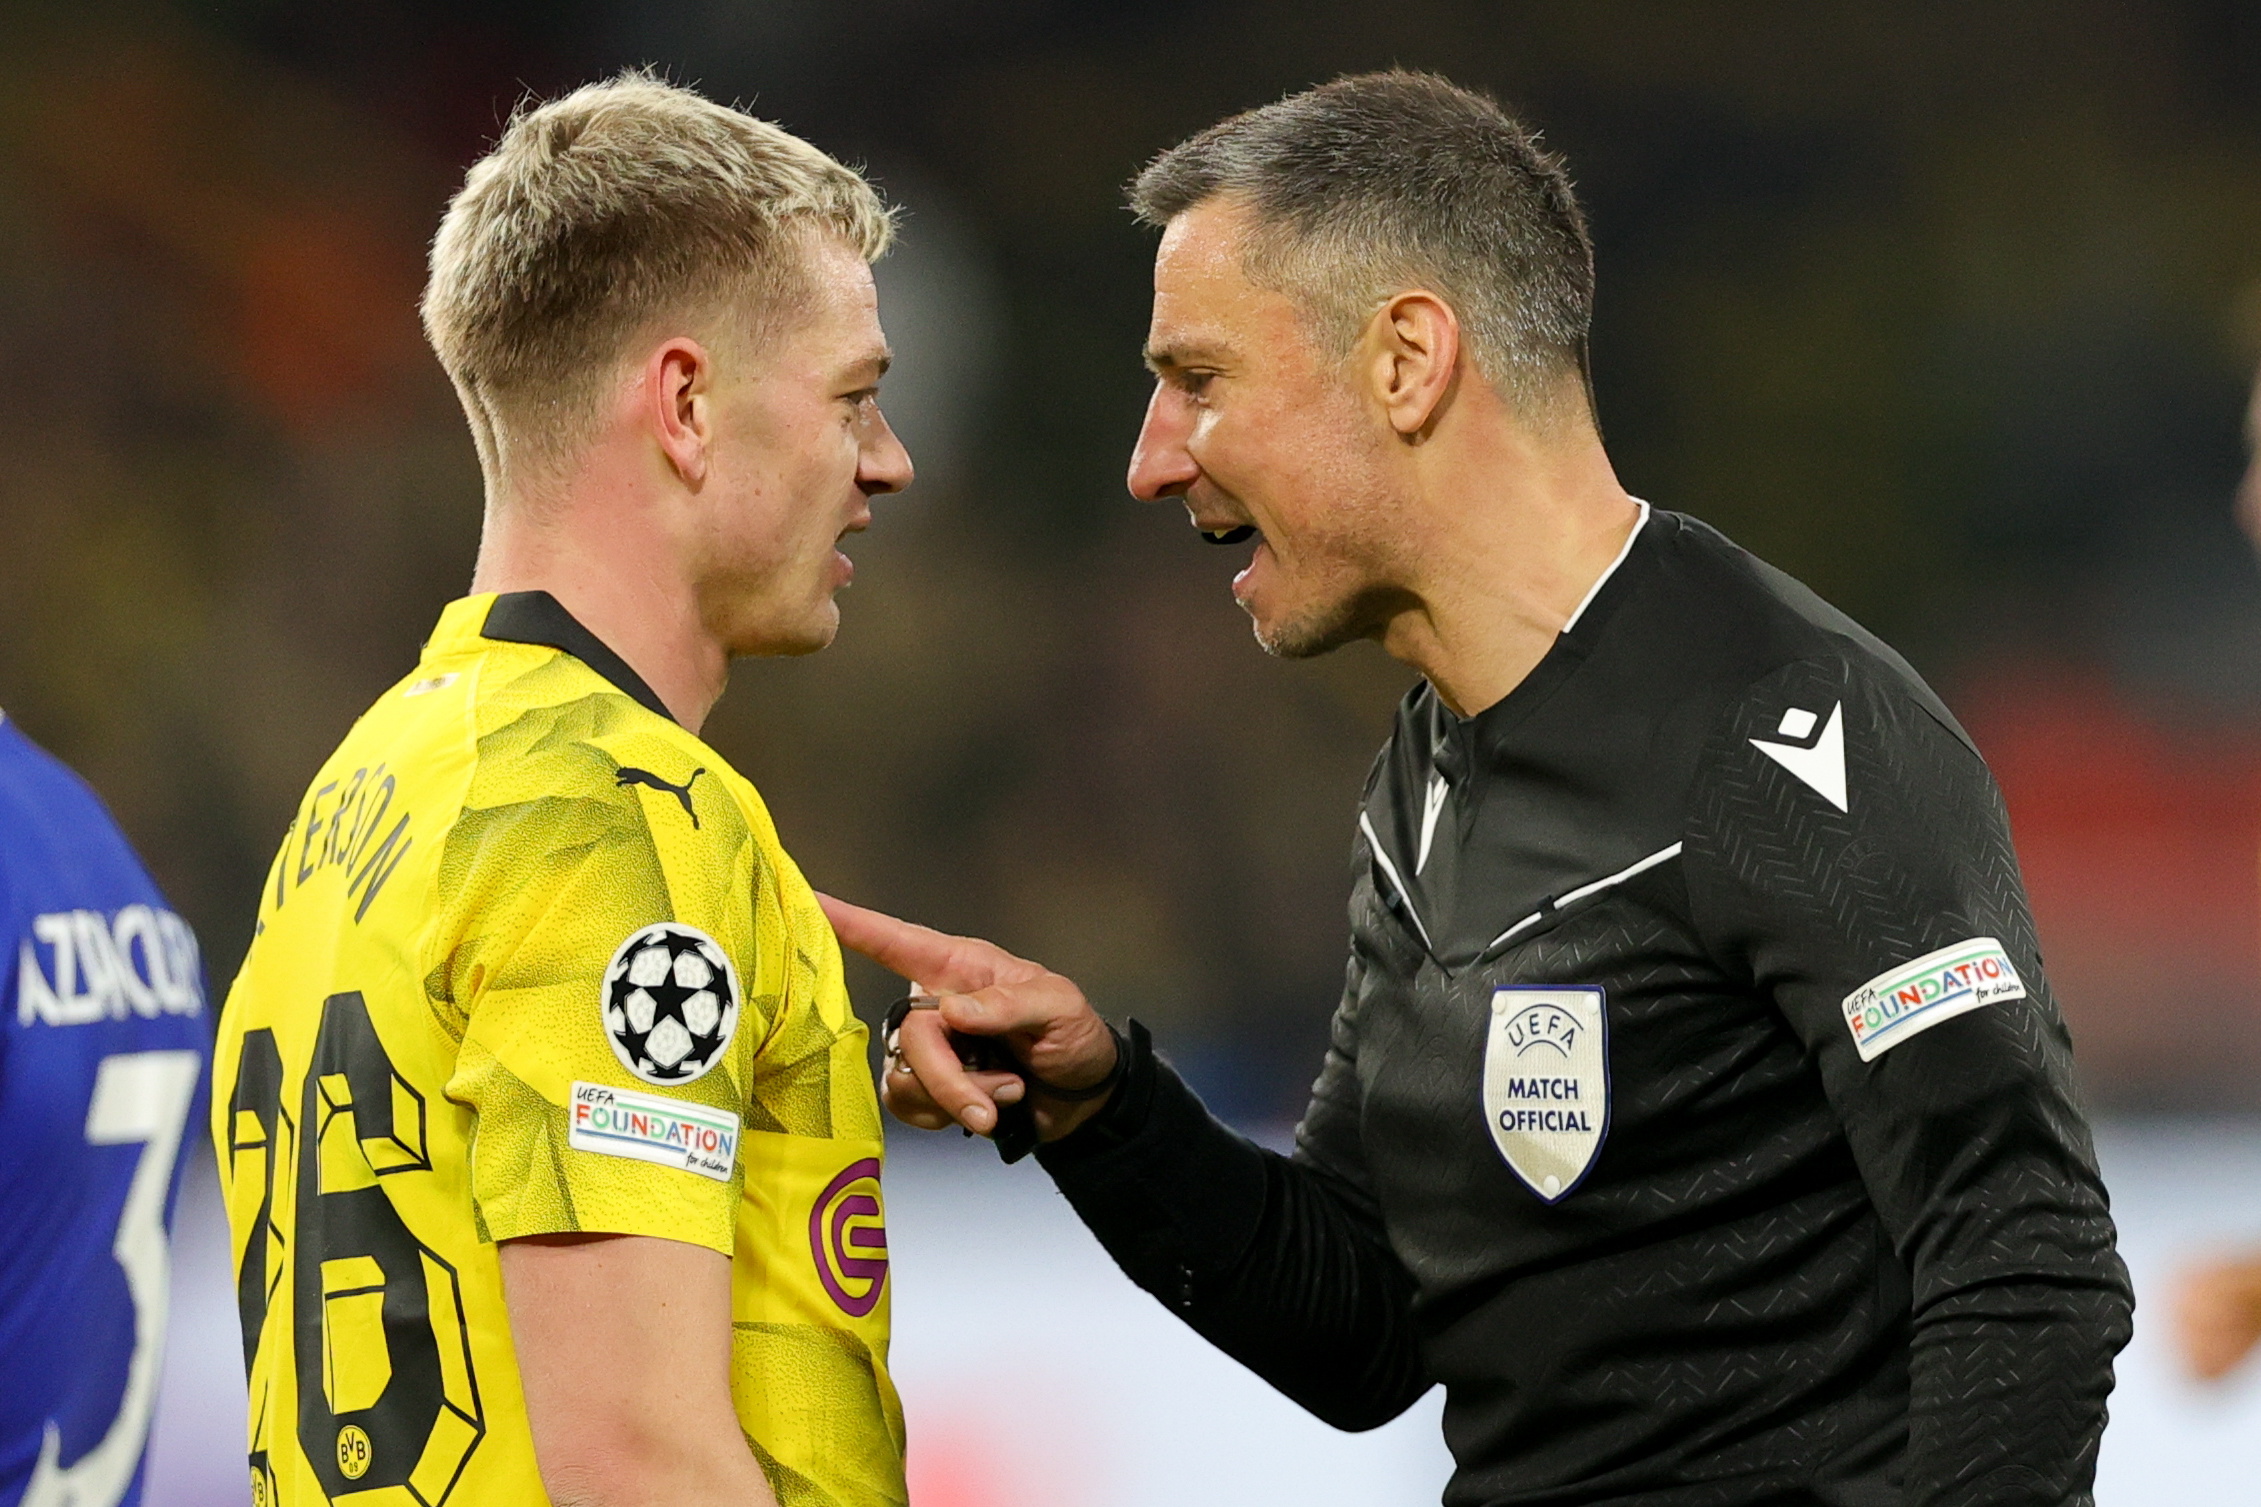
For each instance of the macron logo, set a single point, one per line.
(1820, 764)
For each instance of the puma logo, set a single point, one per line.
(630, 775)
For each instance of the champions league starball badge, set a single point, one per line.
(1546, 1084)
(670, 1003)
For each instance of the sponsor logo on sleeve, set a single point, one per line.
(1546, 1084)
(669, 1003)
(848, 1238)
(647, 1128)
(1938, 986)
(1818, 762)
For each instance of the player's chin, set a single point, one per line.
(817, 633)
(804, 632)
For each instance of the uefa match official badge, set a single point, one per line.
(1546, 1084)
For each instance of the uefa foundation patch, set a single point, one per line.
(1938, 986)
(648, 1128)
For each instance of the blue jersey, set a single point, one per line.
(103, 1043)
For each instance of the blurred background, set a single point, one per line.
(1947, 306)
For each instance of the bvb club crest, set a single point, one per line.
(1546, 1084)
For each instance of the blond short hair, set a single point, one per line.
(596, 215)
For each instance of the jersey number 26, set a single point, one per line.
(379, 1348)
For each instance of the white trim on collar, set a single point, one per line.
(1603, 579)
(1397, 882)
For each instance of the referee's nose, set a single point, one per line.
(1160, 465)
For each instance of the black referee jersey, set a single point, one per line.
(1697, 1112)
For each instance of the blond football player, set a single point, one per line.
(548, 1140)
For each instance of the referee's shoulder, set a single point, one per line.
(1747, 621)
(1753, 636)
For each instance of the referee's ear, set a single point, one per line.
(1412, 350)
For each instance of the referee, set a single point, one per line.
(1697, 1112)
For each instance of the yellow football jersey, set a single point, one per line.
(531, 960)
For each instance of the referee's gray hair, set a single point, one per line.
(623, 203)
(1378, 183)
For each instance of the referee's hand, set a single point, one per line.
(982, 990)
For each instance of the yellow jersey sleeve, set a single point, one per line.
(599, 950)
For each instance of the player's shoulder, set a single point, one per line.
(87, 933)
(47, 811)
(571, 761)
(551, 727)
(34, 783)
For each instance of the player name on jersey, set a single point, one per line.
(342, 828)
(78, 966)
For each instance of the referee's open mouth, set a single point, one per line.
(1228, 531)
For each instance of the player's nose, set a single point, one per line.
(883, 465)
(1161, 465)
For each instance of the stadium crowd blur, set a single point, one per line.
(1947, 308)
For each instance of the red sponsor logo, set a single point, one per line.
(847, 1240)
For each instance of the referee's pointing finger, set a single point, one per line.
(935, 958)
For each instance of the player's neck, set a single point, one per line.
(601, 545)
(1518, 528)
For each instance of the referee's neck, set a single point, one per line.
(1515, 527)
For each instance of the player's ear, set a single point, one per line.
(1412, 351)
(677, 400)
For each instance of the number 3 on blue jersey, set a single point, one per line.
(144, 1097)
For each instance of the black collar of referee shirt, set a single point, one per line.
(536, 617)
(1479, 744)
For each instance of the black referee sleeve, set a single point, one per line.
(1880, 853)
(1274, 1262)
